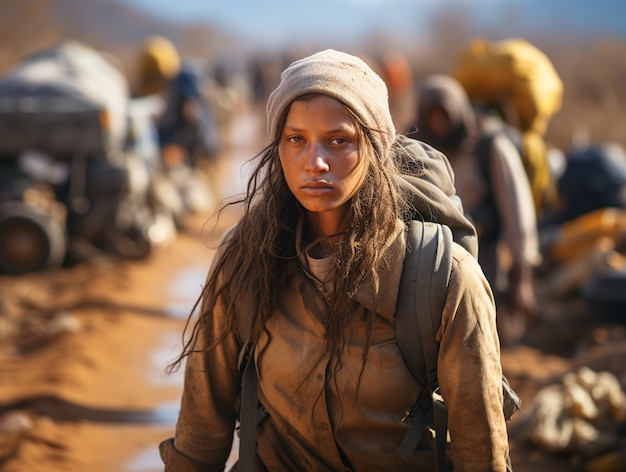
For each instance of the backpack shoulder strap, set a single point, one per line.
(423, 289)
(249, 406)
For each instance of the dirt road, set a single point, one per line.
(86, 388)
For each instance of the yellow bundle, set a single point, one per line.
(159, 62)
(535, 160)
(578, 236)
(514, 71)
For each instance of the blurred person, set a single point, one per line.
(594, 178)
(518, 83)
(397, 73)
(187, 125)
(264, 72)
(586, 232)
(495, 192)
(306, 284)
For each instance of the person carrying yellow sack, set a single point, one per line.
(519, 82)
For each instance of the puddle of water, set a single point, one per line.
(171, 346)
(149, 460)
(146, 461)
(167, 413)
(184, 290)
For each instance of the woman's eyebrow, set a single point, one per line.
(339, 129)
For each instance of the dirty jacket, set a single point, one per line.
(317, 418)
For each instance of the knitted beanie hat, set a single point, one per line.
(344, 77)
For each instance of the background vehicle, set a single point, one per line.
(75, 171)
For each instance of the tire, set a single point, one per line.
(29, 240)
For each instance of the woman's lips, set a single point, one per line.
(317, 188)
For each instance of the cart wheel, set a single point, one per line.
(29, 240)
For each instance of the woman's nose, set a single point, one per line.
(317, 161)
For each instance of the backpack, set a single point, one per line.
(427, 176)
(426, 276)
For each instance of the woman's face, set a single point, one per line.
(319, 154)
(438, 122)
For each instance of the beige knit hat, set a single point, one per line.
(344, 77)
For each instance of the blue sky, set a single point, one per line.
(279, 21)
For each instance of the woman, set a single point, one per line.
(309, 277)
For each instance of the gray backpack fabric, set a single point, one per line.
(427, 177)
(423, 289)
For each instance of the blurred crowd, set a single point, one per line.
(157, 140)
(551, 222)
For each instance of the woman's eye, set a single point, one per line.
(339, 140)
(294, 139)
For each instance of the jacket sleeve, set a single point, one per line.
(208, 412)
(176, 461)
(470, 372)
(515, 203)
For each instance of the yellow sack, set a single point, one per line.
(512, 70)
(159, 62)
(534, 156)
(578, 236)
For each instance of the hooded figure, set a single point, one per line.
(491, 182)
(594, 178)
(189, 120)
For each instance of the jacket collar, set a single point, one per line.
(389, 275)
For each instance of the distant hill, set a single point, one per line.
(110, 25)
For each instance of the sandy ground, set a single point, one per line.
(84, 387)
(83, 352)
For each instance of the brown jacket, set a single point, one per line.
(320, 421)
